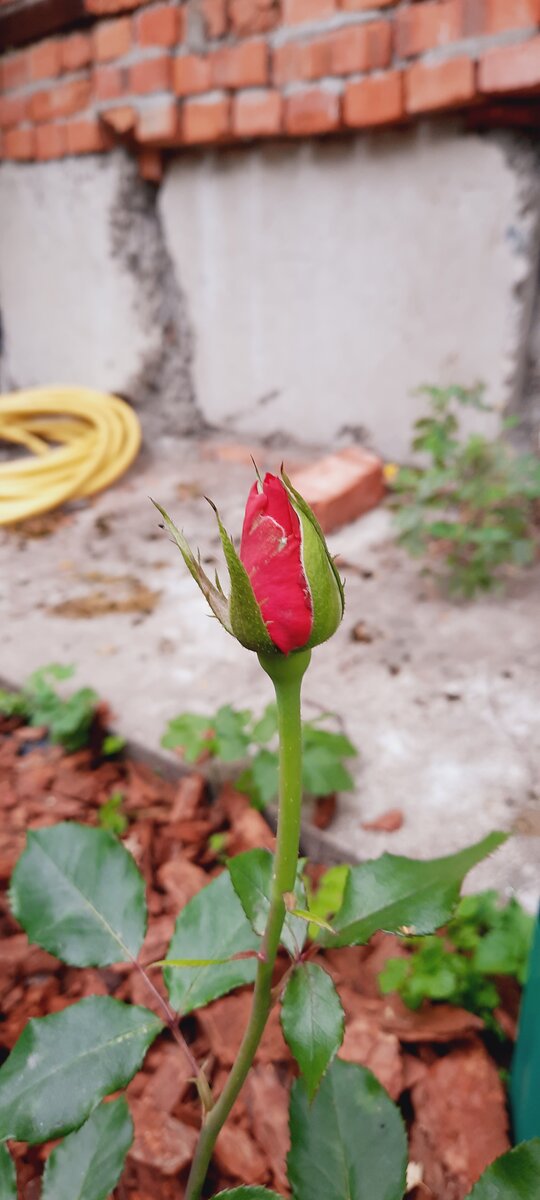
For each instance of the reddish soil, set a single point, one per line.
(435, 1063)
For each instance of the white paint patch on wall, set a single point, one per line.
(70, 309)
(325, 281)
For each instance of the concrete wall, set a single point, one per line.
(306, 288)
(88, 293)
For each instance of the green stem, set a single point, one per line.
(286, 675)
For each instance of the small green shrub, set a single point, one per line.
(474, 502)
(482, 941)
(232, 735)
(69, 719)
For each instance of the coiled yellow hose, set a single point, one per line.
(80, 441)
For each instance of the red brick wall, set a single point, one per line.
(163, 75)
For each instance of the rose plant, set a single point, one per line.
(78, 893)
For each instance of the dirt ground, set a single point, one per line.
(442, 699)
(437, 1063)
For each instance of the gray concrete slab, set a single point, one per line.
(443, 702)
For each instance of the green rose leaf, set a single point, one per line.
(247, 1193)
(87, 1165)
(78, 894)
(62, 1065)
(403, 895)
(312, 1020)
(8, 1180)
(212, 925)
(349, 1142)
(251, 874)
(513, 1176)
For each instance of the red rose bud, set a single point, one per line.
(286, 593)
(289, 568)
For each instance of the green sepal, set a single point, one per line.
(325, 585)
(245, 616)
(8, 1181)
(214, 595)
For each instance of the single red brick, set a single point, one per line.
(191, 74)
(205, 120)
(501, 15)
(60, 101)
(109, 82)
(159, 25)
(257, 113)
(422, 27)
(429, 87)
(159, 123)
(342, 486)
(360, 5)
(314, 111)
(377, 100)
(12, 110)
(296, 11)
(151, 75)
(253, 16)
(87, 136)
(45, 60)
(150, 165)
(111, 39)
(15, 71)
(19, 144)
(50, 142)
(244, 65)
(106, 8)
(511, 68)
(121, 119)
(75, 52)
(215, 17)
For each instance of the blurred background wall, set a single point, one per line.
(272, 215)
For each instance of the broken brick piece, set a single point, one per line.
(342, 486)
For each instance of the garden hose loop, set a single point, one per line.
(80, 441)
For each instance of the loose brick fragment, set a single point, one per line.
(432, 86)
(121, 119)
(316, 110)
(150, 165)
(342, 486)
(376, 100)
(511, 68)
(257, 113)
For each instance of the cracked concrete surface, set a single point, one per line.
(443, 701)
